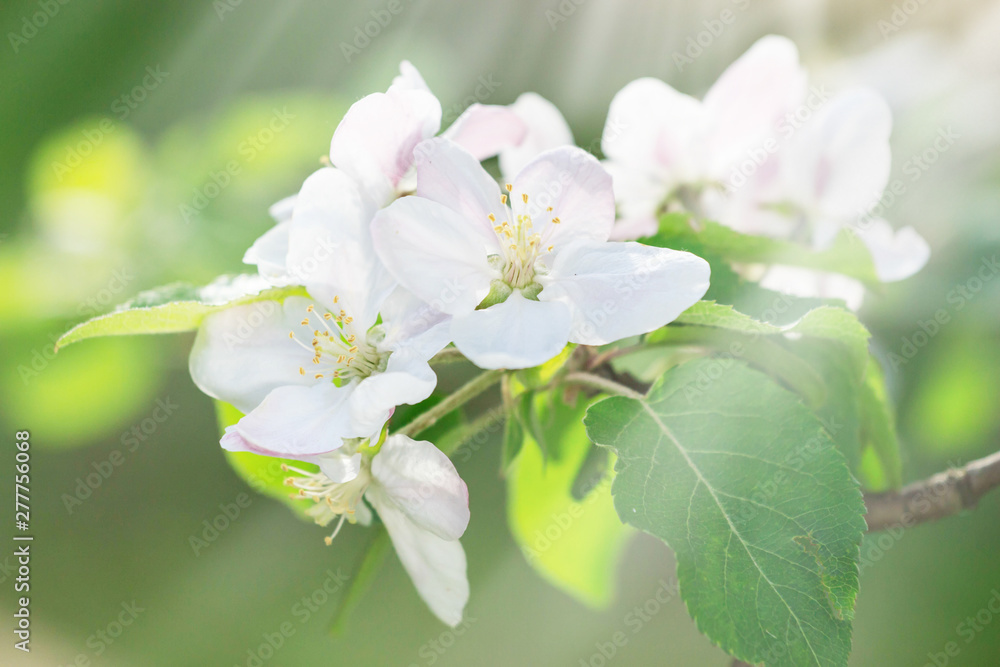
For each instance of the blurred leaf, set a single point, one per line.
(81, 396)
(881, 468)
(954, 409)
(174, 308)
(760, 509)
(574, 545)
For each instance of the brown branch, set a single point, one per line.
(936, 497)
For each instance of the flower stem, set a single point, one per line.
(447, 355)
(462, 395)
(599, 383)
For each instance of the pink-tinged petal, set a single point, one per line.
(841, 161)
(408, 379)
(270, 254)
(408, 78)
(339, 467)
(484, 130)
(518, 333)
(897, 254)
(299, 421)
(436, 253)
(437, 567)
(242, 353)
(411, 323)
(545, 129)
(375, 140)
(652, 128)
(570, 196)
(421, 481)
(746, 104)
(617, 290)
(330, 247)
(449, 175)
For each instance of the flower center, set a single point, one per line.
(332, 499)
(520, 246)
(337, 350)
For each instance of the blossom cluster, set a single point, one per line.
(405, 243)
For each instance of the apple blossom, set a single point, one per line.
(535, 263)
(661, 144)
(419, 497)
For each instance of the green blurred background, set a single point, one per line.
(116, 120)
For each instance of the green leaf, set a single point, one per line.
(712, 314)
(174, 308)
(838, 325)
(847, 255)
(575, 545)
(747, 488)
(882, 467)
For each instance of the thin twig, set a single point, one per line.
(462, 395)
(602, 384)
(936, 497)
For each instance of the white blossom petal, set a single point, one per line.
(617, 290)
(330, 246)
(544, 129)
(436, 253)
(653, 128)
(897, 254)
(518, 333)
(841, 161)
(298, 421)
(750, 98)
(340, 467)
(571, 182)
(408, 378)
(375, 140)
(422, 482)
(485, 129)
(409, 78)
(807, 283)
(242, 353)
(270, 254)
(437, 567)
(449, 175)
